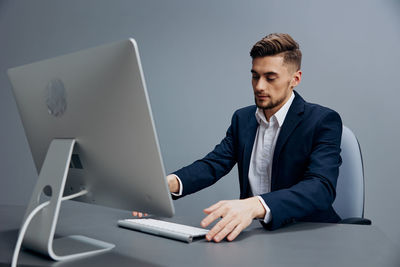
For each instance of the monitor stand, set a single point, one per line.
(40, 232)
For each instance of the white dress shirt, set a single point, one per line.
(262, 154)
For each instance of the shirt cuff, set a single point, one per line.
(180, 186)
(268, 215)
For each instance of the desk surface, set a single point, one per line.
(302, 244)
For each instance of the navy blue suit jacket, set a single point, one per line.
(305, 164)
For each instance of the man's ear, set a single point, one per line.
(296, 79)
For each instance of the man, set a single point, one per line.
(287, 151)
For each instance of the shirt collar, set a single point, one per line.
(279, 116)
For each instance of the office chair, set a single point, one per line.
(350, 189)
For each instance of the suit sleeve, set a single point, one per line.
(208, 170)
(316, 190)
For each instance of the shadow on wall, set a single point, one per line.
(395, 4)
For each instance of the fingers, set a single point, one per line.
(139, 214)
(217, 228)
(238, 229)
(219, 232)
(214, 207)
(236, 215)
(212, 216)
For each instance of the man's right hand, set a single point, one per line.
(173, 185)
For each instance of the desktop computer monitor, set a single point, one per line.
(89, 125)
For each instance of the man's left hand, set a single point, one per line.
(236, 216)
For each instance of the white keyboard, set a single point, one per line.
(177, 231)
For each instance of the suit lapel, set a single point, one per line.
(250, 131)
(293, 118)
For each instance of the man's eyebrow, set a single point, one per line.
(266, 73)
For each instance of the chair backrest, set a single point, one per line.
(349, 200)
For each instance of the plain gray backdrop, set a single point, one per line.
(195, 56)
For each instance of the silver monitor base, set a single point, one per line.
(40, 232)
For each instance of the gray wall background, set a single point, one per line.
(196, 61)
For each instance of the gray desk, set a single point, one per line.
(305, 244)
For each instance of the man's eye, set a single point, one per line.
(255, 77)
(270, 79)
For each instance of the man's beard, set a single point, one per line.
(271, 104)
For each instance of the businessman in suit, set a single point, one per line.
(287, 151)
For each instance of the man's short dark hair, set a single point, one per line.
(278, 43)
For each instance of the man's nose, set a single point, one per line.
(261, 85)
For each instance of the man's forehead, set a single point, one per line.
(268, 64)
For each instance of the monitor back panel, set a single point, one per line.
(97, 96)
